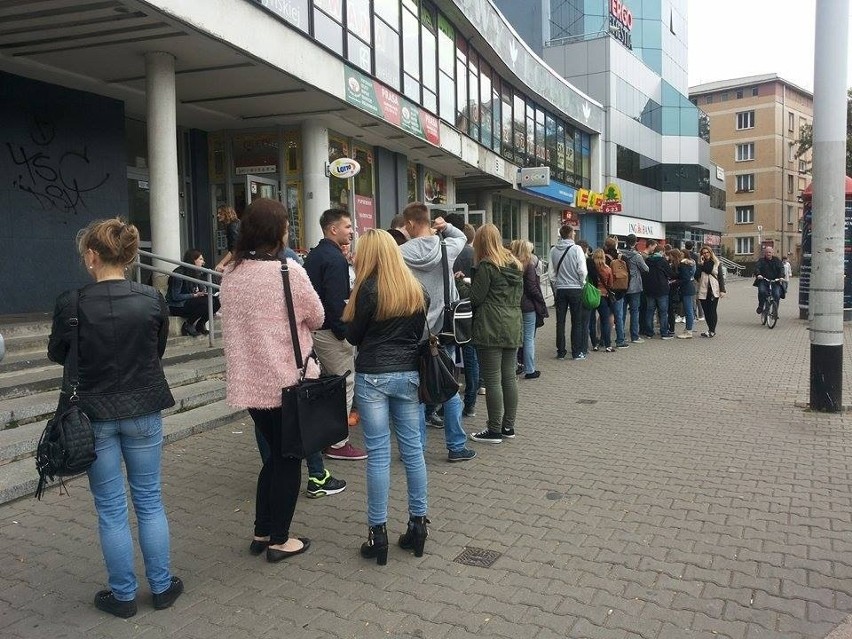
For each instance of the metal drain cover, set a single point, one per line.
(478, 557)
(587, 401)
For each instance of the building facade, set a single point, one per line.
(161, 110)
(757, 122)
(631, 57)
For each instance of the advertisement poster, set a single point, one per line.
(376, 99)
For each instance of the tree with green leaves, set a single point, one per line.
(806, 136)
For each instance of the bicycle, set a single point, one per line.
(769, 317)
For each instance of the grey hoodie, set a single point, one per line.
(573, 270)
(637, 266)
(423, 257)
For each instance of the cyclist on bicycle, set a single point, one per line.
(768, 272)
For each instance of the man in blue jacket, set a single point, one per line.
(329, 272)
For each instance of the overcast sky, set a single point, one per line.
(736, 38)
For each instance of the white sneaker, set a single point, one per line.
(685, 335)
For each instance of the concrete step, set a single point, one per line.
(19, 478)
(40, 377)
(17, 412)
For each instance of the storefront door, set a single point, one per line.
(258, 187)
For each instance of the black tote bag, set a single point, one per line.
(313, 411)
(437, 373)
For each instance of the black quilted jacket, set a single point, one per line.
(123, 332)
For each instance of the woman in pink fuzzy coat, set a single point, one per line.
(260, 361)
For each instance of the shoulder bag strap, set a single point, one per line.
(561, 259)
(291, 316)
(71, 361)
(445, 269)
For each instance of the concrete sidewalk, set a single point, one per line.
(670, 490)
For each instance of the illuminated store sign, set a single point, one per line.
(621, 23)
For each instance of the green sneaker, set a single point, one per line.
(328, 485)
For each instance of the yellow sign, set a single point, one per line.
(582, 198)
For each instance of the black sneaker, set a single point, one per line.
(533, 375)
(107, 602)
(326, 485)
(435, 421)
(465, 454)
(166, 598)
(508, 433)
(487, 436)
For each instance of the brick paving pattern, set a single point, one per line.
(692, 499)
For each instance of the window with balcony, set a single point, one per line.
(744, 246)
(745, 215)
(745, 152)
(745, 120)
(745, 183)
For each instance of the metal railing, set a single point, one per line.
(730, 265)
(211, 287)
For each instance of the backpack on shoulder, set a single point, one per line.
(620, 276)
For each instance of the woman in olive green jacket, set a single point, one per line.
(495, 294)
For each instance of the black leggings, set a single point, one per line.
(709, 305)
(278, 483)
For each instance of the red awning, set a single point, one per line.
(809, 190)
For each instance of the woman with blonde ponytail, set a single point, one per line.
(386, 317)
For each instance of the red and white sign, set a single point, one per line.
(621, 13)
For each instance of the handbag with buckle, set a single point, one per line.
(313, 411)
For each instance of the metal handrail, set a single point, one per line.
(208, 283)
(730, 264)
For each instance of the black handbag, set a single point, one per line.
(437, 373)
(458, 315)
(67, 444)
(313, 411)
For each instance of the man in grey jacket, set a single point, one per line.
(568, 274)
(633, 298)
(422, 254)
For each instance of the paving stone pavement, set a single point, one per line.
(672, 490)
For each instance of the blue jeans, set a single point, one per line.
(763, 291)
(604, 312)
(618, 314)
(139, 442)
(660, 305)
(634, 302)
(529, 342)
(471, 374)
(385, 398)
(689, 309)
(316, 466)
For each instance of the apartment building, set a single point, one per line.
(755, 125)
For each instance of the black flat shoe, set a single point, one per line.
(188, 329)
(273, 555)
(107, 602)
(257, 546)
(166, 598)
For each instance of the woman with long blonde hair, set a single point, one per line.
(600, 274)
(533, 307)
(711, 287)
(495, 294)
(386, 320)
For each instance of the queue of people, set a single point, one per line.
(374, 326)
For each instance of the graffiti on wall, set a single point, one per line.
(56, 179)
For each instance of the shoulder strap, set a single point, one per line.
(561, 259)
(445, 269)
(71, 361)
(291, 316)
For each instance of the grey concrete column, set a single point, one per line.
(316, 196)
(163, 155)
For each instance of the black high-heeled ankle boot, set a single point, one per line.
(414, 537)
(376, 545)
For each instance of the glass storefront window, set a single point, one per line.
(429, 47)
(539, 230)
(216, 157)
(447, 97)
(388, 10)
(412, 183)
(446, 46)
(328, 32)
(293, 152)
(293, 198)
(365, 206)
(506, 215)
(411, 45)
(338, 191)
(434, 187)
(358, 18)
(520, 129)
(473, 97)
(136, 136)
(255, 153)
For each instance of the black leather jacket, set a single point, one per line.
(123, 331)
(385, 346)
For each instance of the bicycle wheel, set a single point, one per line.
(772, 314)
(765, 313)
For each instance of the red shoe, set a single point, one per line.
(345, 452)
